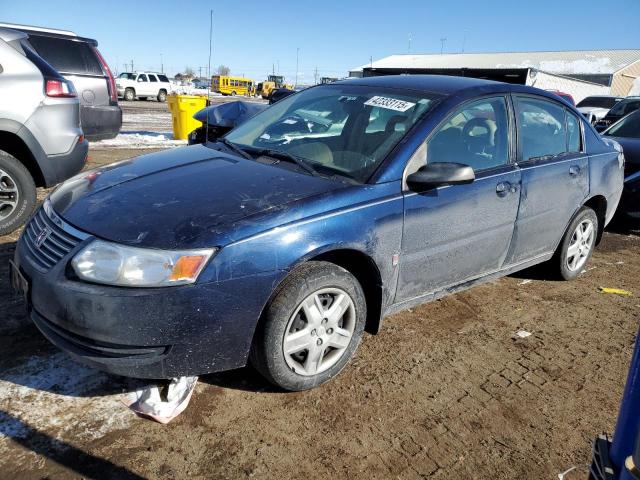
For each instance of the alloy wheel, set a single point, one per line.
(9, 195)
(580, 245)
(319, 331)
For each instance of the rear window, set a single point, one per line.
(163, 78)
(598, 102)
(67, 56)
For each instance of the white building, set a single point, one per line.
(579, 72)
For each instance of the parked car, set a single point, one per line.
(627, 133)
(79, 61)
(218, 120)
(619, 110)
(595, 107)
(283, 245)
(567, 97)
(41, 142)
(143, 85)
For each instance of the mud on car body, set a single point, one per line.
(308, 223)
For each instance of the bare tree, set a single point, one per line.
(189, 72)
(224, 70)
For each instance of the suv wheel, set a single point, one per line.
(162, 96)
(129, 95)
(17, 193)
(311, 328)
(577, 244)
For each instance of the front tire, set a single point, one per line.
(17, 194)
(311, 328)
(577, 245)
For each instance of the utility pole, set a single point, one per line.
(315, 75)
(297, 55)
(464, 41)
(442, 42)
(161, 65)
(132, 65)
(199, 72)
(273, 69)
(371, 61)
(126, 66)
(409, 48)
(210, 42)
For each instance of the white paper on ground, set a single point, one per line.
(162, 402)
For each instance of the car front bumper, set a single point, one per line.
(144, 332)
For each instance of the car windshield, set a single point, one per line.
(128, 76)
(345, 129)
(598, 102)
(625, 106)
(628, 127)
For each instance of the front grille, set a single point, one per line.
(47, 240)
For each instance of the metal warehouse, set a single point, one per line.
(579, 72)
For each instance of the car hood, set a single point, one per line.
(181, 198)
(597, 111)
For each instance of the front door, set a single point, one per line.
(456, 233)
(555, 175)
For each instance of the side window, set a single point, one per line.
(574, 134)
(163, 78)
(152, 78)
(541, 127)
(476, 135)
(142, 78)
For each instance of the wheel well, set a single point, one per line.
(366, 272)
(163, 90)
(599, 205)
(13, 145)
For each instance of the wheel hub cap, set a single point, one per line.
(9, 195)
(580, 245)
(319, 331)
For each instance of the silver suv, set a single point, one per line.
(41, 142)
(79, 61)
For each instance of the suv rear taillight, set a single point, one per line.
(59, 88)
(113, 93)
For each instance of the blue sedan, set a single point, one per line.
(284, 241)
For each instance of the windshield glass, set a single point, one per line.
(129, 76)
(628, 127)
(625, 106)
(346, 129)
(598, 102)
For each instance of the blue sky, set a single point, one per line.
(332, 35)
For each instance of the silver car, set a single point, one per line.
(41, 141)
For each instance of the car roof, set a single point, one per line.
(10, 35)
(443, 84)
(49, 32)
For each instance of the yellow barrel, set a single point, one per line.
(182, 109)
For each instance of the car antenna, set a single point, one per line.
(206, 122)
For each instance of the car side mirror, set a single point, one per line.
(434, 175)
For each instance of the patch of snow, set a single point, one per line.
(57, 396)
(141, 139)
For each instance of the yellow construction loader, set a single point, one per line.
(273, 82)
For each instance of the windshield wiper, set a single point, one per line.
(292, 158)
(235, 148)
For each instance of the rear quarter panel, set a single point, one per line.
(606, 171)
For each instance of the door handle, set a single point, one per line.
(574, 170)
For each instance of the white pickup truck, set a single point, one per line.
(143, 85)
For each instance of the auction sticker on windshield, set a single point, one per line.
(389, 103)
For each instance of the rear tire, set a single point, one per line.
(311, 328)
(162, 96)
(577, 245)
(129, 95)
(17, 193)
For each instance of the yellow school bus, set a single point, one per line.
(232, 85)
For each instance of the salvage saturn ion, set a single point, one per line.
(309, 223)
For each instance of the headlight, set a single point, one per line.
(113, 264)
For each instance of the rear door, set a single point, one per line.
(457, 233)
(555, 174)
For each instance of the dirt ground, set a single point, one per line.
(444, 391)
